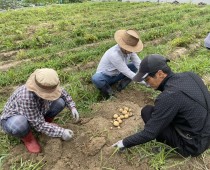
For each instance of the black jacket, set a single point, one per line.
(183, 104)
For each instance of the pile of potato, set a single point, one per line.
(124, 113)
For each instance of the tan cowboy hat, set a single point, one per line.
(128, 40)
(45, 83)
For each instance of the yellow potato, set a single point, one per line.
(126, 108)
(118, 118)
(120, 110)
(126, 116)
(124, 112)
(120, 121)
(122, 117)
(118, 127)
(115, 116)
(116, 123)
(129, 110)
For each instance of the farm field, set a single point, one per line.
(71, 39)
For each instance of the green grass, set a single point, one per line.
(67, 37)
(27, 165)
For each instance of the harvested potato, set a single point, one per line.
(122, 117)
(126, 116)
(116, 123)
(126, 108)
(120, 110)
(120, 121)
(115, 116)
(124, 112)
(129, 110)
(118, 118)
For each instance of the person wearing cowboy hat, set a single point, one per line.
(119, 63)
(180, 116)
(34, 105)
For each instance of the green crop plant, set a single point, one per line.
(181, 41)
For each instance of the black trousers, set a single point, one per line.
(168, 136)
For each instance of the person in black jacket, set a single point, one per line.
(180, 115)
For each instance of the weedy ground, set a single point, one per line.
(72, 38)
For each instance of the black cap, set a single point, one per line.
(150, 64)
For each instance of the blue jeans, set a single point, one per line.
(100, 79)
(18, 125)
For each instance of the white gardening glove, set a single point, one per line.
(75, 114)
(143, 83)
(119, 145)
(67, 134)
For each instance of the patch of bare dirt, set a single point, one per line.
(82, 66)
(8, 60)
(4, 56)
(177, 53)
(7, 91)
(33, 28)
(9, 64)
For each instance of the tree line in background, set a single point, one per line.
(13, 4)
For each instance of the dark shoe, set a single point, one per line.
(106, 91)
(123, 84)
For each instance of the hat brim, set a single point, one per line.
(118, 38)
(47, 94)
(140, 77)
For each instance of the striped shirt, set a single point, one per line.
(34, 108)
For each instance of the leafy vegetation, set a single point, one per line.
(68, 37)
(14, 4)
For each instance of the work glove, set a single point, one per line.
(143, 83)
(67, 134)
(119, 145)
(75, 114)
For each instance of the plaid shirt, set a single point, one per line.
(34, 108)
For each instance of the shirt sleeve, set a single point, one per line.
(37, 121)
(135, 60)
(68, 99)
(121, 66)
(164, 112)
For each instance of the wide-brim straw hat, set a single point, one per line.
(45, 84)
(128, 40)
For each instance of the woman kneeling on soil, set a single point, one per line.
(34, 105)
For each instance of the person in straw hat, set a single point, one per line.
(34, 105)
(119, 63)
